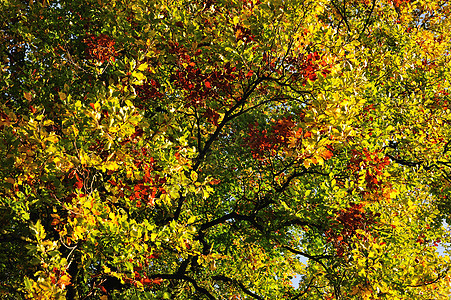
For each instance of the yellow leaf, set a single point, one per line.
(319, 9)
(48, 122)
(143, 67)
(83, 157)
(111, 165)
(75, 130)
(113, 129)
(52, 138)
(193, 176)
(138, 75)
(78, 232)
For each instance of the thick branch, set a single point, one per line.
(232, 215)
(227, 117)
(304, 291)
(408, 163)
(300, 223)
(342, 15)
(242, 287)
(316, 258)
(367, 22)
(439, 277)
(185, 278)
(9, 237)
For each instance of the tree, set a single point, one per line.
(207, 149)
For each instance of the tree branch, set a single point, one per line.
(234, 281)
(367, 22)
(305, 290)
(232, 215)
(316, 258)
(185, 278)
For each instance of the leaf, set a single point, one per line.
(112, 166)
(193, 176)
(327, 154)
(143, 67)
(52, 138)
(48, 122)
(83, 157)
(62, 96)
(217, 142)
(78, 185)
(28, 284)
(138, 75)
(64, 281)
(27, 96)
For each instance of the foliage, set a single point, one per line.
(211, 149)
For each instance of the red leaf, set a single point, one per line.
(249, 74)
(103, 289)
(92, 105)
(208, 85)
(212, 116)
(78, 184)
(153, 255)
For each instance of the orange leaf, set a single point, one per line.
(327, 154)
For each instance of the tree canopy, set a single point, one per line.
(216, 149)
